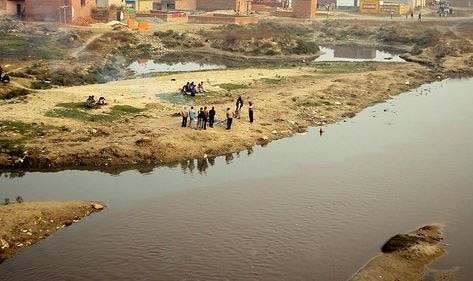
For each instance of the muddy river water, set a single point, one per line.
(309, 207)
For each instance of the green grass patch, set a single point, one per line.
(18, 74)
(27, 131)
(14, 46)
(78, 111)
(344, 67)
(40, 85)
(270, 81)
(400, 242)
(309, 104)
(15, 93)
(178, 98)
(231, 86)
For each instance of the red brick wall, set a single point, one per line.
(185, 5)
(226, 19)
(49, 10)
(83, 11)
(305, 8)
(212, 5)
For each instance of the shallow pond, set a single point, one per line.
(309, 207)
(355, 53)
(145, 66)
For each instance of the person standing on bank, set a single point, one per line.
(184, 115)
(229, 115)
(211, 117)
(206, 117)
(239, 105)
(251, 109)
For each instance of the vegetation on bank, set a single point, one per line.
(15, 93)
(79, 112)
(13, 135)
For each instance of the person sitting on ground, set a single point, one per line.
(5, 78)
(185, 89)
(90, 102)
(101, 101)
(200, 88)
(193, 91)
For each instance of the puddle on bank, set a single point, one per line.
(355, 53)
(145, 66)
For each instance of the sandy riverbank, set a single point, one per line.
(405, 257)
(287, 101)
(24, 224)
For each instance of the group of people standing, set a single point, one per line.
(201, 118)
(204, 116)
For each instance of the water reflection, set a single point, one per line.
(356, 53)
(201, 164)
(145, 66)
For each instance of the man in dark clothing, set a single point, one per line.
(211, 117)
(229, 118)
(206, 117)
(200, 118)
(251, 109)
(239, 105)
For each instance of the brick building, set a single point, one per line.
(64, 11)
(304, 8)
(239, 6)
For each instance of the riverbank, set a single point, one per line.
(140, 123)
(405, 256)
(50, 128)
(24, 224)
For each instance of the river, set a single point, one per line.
(310, 207)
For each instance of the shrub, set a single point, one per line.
(304, 47)
(16, 93)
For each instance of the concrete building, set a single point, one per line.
(144, 5)
(108, 3)
(347, 3)
(239, 6)
(380, 7)
(412, 3)
(305, 8)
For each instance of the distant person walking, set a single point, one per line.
(229, 115)
(184, 115)
(392, 13)
(251, 110)
(211, 117)
(420, 17)
(412, 15)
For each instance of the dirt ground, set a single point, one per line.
(408, 263)
(139, 125)
(24, 224)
